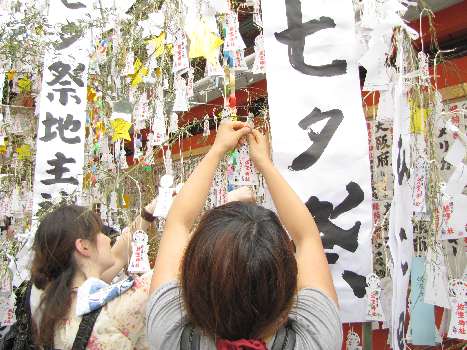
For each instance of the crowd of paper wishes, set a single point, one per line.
(96, 101)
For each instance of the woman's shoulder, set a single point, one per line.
(123, 317)
(105, 335)
(134, 298)
(316, 321)
(165, 316)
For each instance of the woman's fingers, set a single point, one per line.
(245, 130)
(236, 125)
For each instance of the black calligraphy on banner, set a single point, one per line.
(402, 169)
(445, 165)
(59, 170)
(442, 132)
(444, 148)
(73, 5)
(294, 38)
(320, 140)
(400, 331)
(69, 124)
(404, 268)
(382, 142)
(383, 159)
(64, 75)
(69, 34)
(63, 99)
(402, 234)
(61, 70)
(47, 203)
(356, 282)
(380, 127)
(333, 235)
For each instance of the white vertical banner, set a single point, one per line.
(319, 134)
(62, 117)
(400, 221)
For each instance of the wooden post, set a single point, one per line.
(367, 336)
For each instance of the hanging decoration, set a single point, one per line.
(139, 261)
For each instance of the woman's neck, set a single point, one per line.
(82, 274)
(271, 331)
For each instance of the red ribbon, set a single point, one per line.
(242, 344)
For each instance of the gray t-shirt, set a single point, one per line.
(314, 317)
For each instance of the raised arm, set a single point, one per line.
(189, 202)
(313, 269)
(122, 247)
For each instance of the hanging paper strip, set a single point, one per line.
(319, 133)
(61, 132)
(400, 222)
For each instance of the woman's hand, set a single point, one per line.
(259, 149)
(242, 194)
(228, 135)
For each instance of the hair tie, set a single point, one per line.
(241, 344)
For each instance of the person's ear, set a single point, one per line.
(83, 247)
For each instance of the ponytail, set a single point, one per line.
(54, 267)
(55, 303)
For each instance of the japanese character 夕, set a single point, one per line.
(321, 140)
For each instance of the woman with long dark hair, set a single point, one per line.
(238, 282)
(72, 255)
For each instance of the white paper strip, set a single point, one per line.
(400, 225)
(319, 133)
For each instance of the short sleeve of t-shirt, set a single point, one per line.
(165, 317)
(314, 317)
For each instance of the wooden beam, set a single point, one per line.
(447, 22)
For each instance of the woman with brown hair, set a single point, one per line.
(237, 281)
(70, 252)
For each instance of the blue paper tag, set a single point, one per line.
(422, 315)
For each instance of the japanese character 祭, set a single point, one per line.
(62, 70)
(63, 76)
(333, 235)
